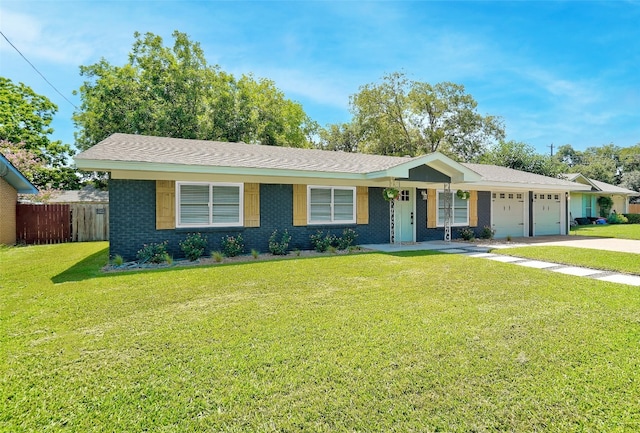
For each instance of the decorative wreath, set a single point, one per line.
(464, 195)
(390, 194)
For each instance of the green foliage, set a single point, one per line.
(118, 260)
(321, 242)
(232, 245)
(347, 239)
(605, 202)
(255, 253)
(153, 253)
(25, 119)
(217, 256)
(633, 218)
(631, 180)
(279, 247)
(174, 92)
(521, 156)
(616, 218)
(487, 233)
(466, 233)
(193, 246)
(403, 117)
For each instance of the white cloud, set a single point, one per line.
(39, 42)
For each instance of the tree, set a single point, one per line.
(174, 92)
(599, 163)
(631, 180)
(403, 117)
(343, 137)
(521, 156)
(25, 119)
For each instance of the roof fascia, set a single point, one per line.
(532, 186)
(15, 178)
(436, 160)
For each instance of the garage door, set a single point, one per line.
(546, 214)
(508, 214)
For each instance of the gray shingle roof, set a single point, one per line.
(498, 174)
(163, 150)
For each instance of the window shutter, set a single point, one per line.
(299, 205)
(165, 204)
(432, 209)
(362, 205)
(252, 205)
(473, 209)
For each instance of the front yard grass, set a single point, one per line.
(370, 342)
(628, 263)
(621, 231)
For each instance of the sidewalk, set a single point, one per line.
(482, 250)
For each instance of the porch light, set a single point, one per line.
(424, 194)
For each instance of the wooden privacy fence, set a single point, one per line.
(634, 208)
(43, 223)
(58, 223)
(89, 222)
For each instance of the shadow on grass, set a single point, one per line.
(92, 266)
(89, 267)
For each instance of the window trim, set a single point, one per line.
(239, 223)
(453, 224)
(332, 204)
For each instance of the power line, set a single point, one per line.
(36, 69)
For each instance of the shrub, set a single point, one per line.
(279, 248)
(605, 204)
(347, 239)
(467, 234)
(193, 246)
(232, 245)
(320, 242)
(616, 218)
(118, 260)
(487, 233)
(633, 218)
(217, 256)
(255, 253)
(153, 253)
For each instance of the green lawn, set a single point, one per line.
(627, 263)
(351, 343)
(622, 231)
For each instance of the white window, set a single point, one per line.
(331, 205)
(459, 210)
(209, 204)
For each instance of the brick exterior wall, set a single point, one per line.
(132, 221)
(8, 201)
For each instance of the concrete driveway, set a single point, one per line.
(606, 244)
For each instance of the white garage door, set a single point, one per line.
(508, 214)
(546, 214)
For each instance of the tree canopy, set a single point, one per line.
(174, 92)
(521, 156)
(25, 127)
(401, 117)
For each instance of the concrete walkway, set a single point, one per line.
(481, 250)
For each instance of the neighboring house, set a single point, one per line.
(164, 188)
(584, 204)
(88, 195)
(12, 183)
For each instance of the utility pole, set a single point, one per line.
(551, 146)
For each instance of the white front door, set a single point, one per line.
(404, 212)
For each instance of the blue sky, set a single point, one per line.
(556, 72)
